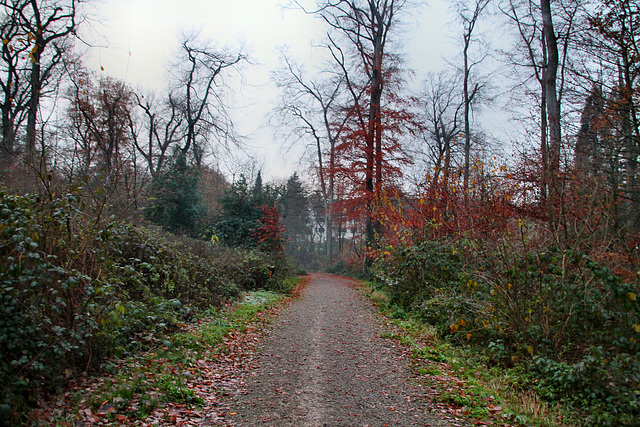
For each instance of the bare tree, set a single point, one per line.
(469, 15)
(441, 113)
(99, 115)
(314, 108)
(162, 128)
(15, 90)
(48, 25)
(545, 52)
(550, 87)
(198, 93)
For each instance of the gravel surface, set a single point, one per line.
(325, 364)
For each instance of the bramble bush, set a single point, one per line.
(578, 323)
(425, 279)
(567, 317)
(76, 289)
(46, 307)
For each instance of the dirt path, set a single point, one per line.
(324, 364)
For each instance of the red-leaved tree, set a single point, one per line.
(270, 234)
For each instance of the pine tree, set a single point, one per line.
(296, 216)
(175, 201)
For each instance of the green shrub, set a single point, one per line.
(556, 298)
(47, 311)
(76, 290)
(413, 274)
(570, 319)
(605, 384)
(150, 263)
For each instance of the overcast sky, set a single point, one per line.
(143, 34)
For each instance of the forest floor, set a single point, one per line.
(326, 358)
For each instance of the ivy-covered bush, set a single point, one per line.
(567, 317)
(577, 323)
(562, 302)
(76, 289)
(414, 274)
(151, 263)
(47, 306)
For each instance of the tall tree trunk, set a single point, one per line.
(331, 198)
(8, 116)
(374, 137)
(469, 23)
(467, 119)
(374, 157)
(8, 131)
(544, 144)
(550, 77)
(34, 104)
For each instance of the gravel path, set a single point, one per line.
(324, 364)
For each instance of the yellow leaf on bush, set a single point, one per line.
(631, 296)
(468, 337)
(637, 328)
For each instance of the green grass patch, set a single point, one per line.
(251, 304)
(175, 389)
(207, 335)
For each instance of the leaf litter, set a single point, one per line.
(219, 377)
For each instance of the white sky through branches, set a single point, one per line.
(143, 34)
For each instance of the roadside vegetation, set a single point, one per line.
(172, 378)
(79, 293)
(553, 330)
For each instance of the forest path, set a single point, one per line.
(325, 364)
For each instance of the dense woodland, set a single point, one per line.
(116, 223)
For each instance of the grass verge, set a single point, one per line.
(461, 381)
(174, 379)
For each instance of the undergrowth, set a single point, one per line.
(169, 375)
(462, 379)
(560, 324)
(78, 289)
